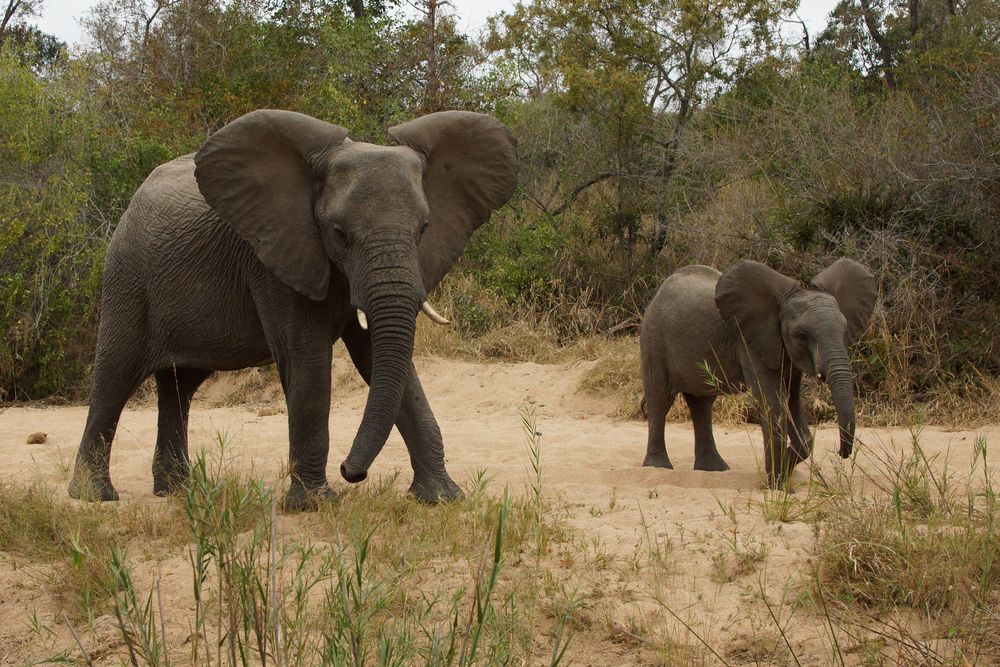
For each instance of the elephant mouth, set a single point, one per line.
(426, 308)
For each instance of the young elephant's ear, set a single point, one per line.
(749, 294)
(471, 170)
(257, 173)
(855, 289)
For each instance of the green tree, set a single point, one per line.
(50, 248)
(634, 72)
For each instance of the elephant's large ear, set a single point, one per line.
(471, 170)
(257, 173)
(855, 289)
(749, 294)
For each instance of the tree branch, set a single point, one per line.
(8, 14)
(883, 45)
(578, 190)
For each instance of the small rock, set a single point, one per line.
(37, 438)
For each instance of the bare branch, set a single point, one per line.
(883, 45)
(578, 190)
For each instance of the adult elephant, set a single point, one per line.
(279, 236)
(708, 333)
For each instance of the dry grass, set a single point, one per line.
(908, 558)
(616, 373)
(376, 577)
(905, 570)
(71, 543)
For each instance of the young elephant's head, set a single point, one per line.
(782, 321)
(391, 219)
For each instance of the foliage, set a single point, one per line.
(912, 533)
(49, 251)
(652, 134)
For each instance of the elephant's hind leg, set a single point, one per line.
(115, 380)
(174, 389)
(657, 399)
(706, 454)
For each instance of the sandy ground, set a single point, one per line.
(590, 468)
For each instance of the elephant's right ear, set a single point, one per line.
(750, 294)
(470, 170)
(855, 289)
(258, 174)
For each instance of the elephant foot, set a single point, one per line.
(434, 490)
(784, 486)
(780, 482)
(713, 464)
(658, 460)
(91, 488)
(169, 483)
(302, 499)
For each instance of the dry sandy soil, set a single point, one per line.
(591, 471)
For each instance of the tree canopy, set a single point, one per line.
(652, 134)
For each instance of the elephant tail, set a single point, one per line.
(642, 408)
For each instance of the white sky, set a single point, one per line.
(62, 17)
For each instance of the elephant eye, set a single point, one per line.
(802, 336)
(339, 233)
(423, 230)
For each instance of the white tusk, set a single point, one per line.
(362, 320)
(433, 314)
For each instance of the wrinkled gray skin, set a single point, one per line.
(755, 329)
(259, 248)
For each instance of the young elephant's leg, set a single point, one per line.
(658, 397)
(767, 393)
(416, 423)
(706, 455)
(800, 436)
(174, 389)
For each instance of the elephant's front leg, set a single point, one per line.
(420, 431)
(416, 423)
(800, 436)
(305, 378)
(767, 392)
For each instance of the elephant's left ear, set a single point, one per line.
(855, 289)
(471, 170)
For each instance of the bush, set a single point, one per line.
(50, 253)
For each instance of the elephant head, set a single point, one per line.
(781, 322)
(391, 219)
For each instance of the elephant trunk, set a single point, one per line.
(840, 379)
(391, 308)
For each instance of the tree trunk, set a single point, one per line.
(432, 85)
(885, 52)
(8, 15)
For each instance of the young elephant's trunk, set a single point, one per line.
(841, 382)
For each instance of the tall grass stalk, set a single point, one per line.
(260, 597)
(914, 535)
(137, 624)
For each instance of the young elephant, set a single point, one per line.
(708, 333)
